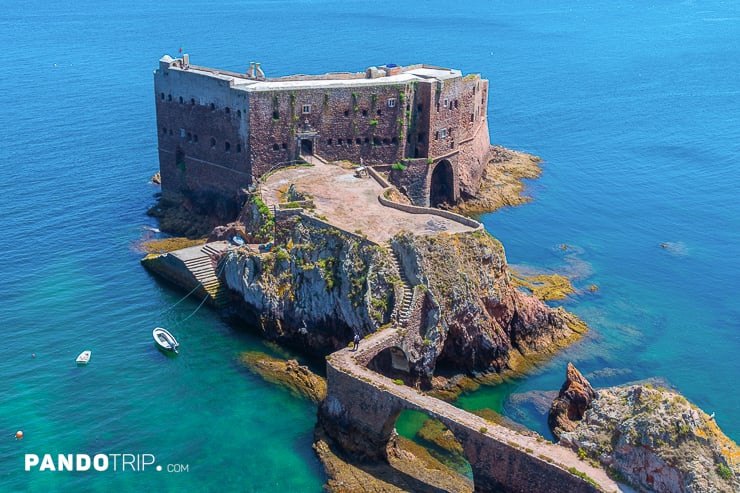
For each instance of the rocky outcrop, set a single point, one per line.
(473, 317)
(324, 284)
(315, 290)
(574, 399)
(655, 440)
(501, 184)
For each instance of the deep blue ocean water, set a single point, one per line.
(634, 106)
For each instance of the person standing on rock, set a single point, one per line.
(356, 341)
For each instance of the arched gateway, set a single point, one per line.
(442, 185)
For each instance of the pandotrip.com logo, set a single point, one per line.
(99, 463)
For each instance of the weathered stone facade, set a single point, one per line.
(219, 130)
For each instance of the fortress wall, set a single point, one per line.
(413, 180)
(339, 116)
(417, 145)
(202, 128)
(472, 160)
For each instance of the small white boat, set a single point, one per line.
(84, 358)
(165, 340)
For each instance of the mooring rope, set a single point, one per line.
(218, 275)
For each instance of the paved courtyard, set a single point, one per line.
(351, 203)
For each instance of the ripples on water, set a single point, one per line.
(633, 107)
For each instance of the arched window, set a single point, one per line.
(213, 142)
(227, 147)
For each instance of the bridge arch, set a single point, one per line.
(392, 362)
(361, 409)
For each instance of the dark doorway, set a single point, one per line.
(180, 159)
(441, 188)
(307, 147)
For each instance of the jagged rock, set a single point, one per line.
(657, 441)
(574, 399)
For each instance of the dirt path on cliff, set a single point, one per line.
(351, 203)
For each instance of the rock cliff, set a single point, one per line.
(323, 284)
(652, 438)
(473, 317)
(316, 289)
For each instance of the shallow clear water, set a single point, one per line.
(634, 109)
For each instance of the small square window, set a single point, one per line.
(306, 109)
(443, 133)
(391, 102)
(445, 103)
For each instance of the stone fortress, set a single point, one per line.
(220, 131)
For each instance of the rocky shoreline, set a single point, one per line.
(652, 438)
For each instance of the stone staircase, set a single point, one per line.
(404, 311)
(204, 269)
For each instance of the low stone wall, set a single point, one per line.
(415, 209)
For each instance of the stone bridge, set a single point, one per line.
(361, 408)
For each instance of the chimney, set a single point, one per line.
(258, 71)
(250, 72)
(185, 61)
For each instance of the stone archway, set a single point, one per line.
(391, 362)
(442, 185)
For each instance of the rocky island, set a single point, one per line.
(341, 190)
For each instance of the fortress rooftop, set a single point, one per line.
(255, 80)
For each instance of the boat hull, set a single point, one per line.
(164, 340)
(84, 358)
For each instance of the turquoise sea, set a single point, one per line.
(634, 106)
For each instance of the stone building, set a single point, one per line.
(219, 131)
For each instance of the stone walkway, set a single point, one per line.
(346, 361)
(351, 203)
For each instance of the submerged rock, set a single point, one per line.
(297, 378)
(650, 437)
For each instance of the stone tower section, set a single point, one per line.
(219, 130)
(203, 129)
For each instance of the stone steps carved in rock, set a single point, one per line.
(404, 311)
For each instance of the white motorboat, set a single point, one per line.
(84, 357)
(165, 340)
